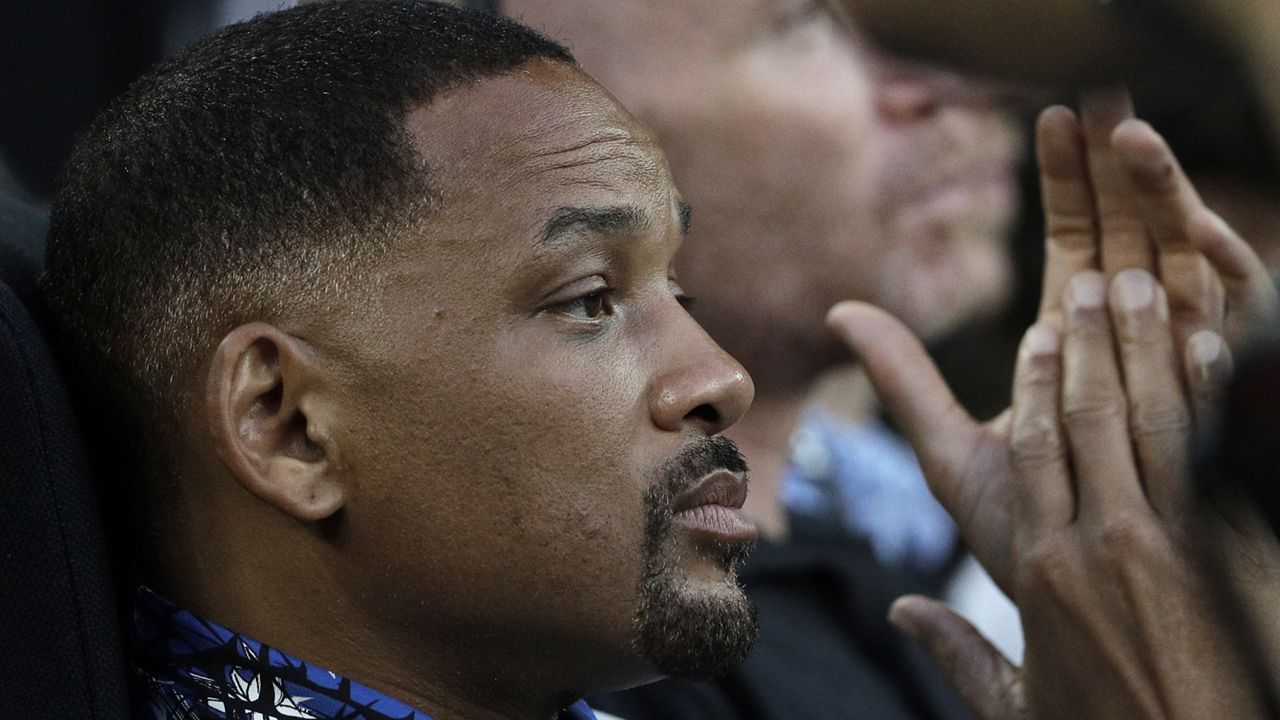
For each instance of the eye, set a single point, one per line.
(798, 14)
(686, 300)
(591, 306)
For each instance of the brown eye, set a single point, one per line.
(592, 306)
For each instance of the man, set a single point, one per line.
(376, 300)
(380, 297)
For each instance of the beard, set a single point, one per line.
(684, 629)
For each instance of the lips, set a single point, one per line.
(711, 510)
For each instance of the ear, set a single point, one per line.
(268, 422)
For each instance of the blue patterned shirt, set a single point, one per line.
(864, 479)
(189, 668)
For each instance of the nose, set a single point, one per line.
(914, 92)
(699, 386)
(905, 98)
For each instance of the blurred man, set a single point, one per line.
(821, 169)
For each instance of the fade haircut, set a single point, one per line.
(255, 176)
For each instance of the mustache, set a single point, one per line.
(700, 459)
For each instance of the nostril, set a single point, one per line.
(705, 413)
(907, 101)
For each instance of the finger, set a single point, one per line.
(1251, 296)
(1159, 416)
(1038, 449)
(916, 397)
(1209, 366)
(983, 677)
(1124, 241)
(1094, 410)
(1167, 202)
(1071, 241)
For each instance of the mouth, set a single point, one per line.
(711, 510)
(955, 197)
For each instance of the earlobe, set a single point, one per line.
(268, 423)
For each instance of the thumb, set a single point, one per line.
(914, 394)
(983, 678)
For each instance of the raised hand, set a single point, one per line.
(1079, 500)
(1122, 617)
(1115, 199)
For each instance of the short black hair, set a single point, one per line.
(252, 175)
(489, 6)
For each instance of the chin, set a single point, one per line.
(938, 299)
(694, 627)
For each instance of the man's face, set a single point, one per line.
(821, 170)
(529, 405)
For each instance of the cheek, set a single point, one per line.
(511, 478)
(770, 120)
(775, 152)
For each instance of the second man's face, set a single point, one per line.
(821, 169)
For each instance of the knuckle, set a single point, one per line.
(1036, 443)
(1121, 223)
(1072, 231)
(1139, 333)
(1157, 418)
(1047, 568)
(1128, 538)
(1087, 410)
(1159, 178)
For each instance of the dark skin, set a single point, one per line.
(447, 473)
(1079, 499)
(449, 470)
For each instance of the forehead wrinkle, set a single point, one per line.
(620, 154)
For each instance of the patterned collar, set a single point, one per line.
(189, 668)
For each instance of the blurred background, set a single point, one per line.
(64, 60)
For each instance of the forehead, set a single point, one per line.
(538, 138)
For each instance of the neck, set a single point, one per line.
(307, 612)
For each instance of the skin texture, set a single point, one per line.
(455, 478)
(821, 170)
(1079, 500)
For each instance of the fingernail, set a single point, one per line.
(1088, 291)
(1041, 340)
(1206, 348)
(900, 617)
(1134, 290)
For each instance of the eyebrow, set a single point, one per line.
(610, 220)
